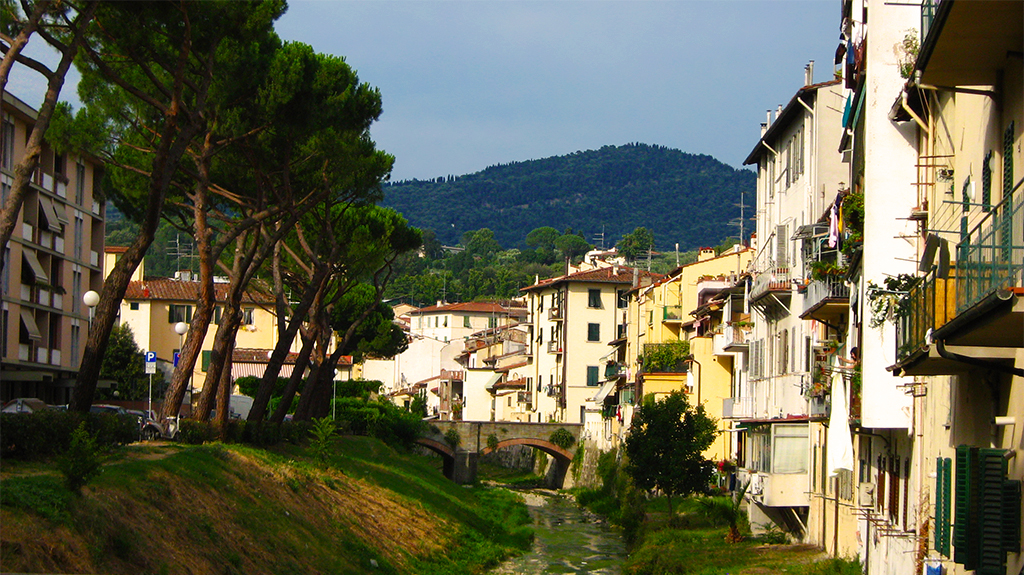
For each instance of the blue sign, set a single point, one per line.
(150, 357)
(177, 354)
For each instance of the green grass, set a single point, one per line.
(157, 486)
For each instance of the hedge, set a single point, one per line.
(48, 432)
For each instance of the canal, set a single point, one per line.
(568, 539)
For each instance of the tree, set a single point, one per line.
(125, 364)
(572, 246)
(665, 446)
(636, 244)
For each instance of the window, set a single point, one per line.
(621, 299)
(178, 312)
(217, 313)
(593, 298)
(592, 375)
(492, 322)
(207, 357)
(76, 338)
(789, 449)
(79, 227)
(7, 145)
(247, 316)
(986, 504)
(593, 332)
(79, 183)
(134, 306)
(465, 321)
(986, 182)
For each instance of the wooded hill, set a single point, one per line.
(680, 197)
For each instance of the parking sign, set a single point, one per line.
(150, 362)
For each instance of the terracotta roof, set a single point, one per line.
(251, 355)
(470, 307)
(115, 249)
(610, 274)
(177, 290)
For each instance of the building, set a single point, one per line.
(51, 261)
(958, 349)
(800, 173)
(575, 316)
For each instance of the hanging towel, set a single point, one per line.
(833, 227)
(840, 442)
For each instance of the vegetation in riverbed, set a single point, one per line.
(167, 508)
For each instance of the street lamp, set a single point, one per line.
(91, 299)
(180, 328)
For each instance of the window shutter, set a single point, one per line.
(964, 526)
(1011, 516)
(992, 471)
(781, 257)
(942, 504)
(986, 182)
(207, 355)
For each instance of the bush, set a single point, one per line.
(563, 438)
(48, 432)
(323, 439)
(453, 438)
(380, 419)
(194, 432)
(81, 462)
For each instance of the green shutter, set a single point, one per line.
(207, 354)
(170, 313)
(965, 531)
(943, 468)
(1011, 516)
(992, 472)
(986, 182)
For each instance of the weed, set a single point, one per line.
(81, 462)
(323, 439)
(45, 495)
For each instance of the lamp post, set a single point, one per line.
(91, 299)
(180, 328)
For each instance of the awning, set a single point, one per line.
(37, 269)
(29, 321)
(489, 386)
(50, 213)
(605, 390)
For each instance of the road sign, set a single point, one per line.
(177, 355)
(150, 362)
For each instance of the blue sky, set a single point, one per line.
(469, 84)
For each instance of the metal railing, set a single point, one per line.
(928, 305)
(772, 278)
(829, 287)
(992, 255)
(672, 313)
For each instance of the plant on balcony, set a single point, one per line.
(890, 302)
(822, 270)
(853, 223)
(664, 357)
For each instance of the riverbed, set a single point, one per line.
(568, 539)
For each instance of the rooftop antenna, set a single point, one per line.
(738, 222)
(179, 249)
(600, 237)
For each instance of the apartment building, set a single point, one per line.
(51, 261)
(800, 174)
(575, 316)
(960, 329)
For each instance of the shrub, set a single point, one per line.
(323, 439)
(194, 432)
(563, 438)
(453, 438)
(81, 462)
(492, 442)
(48, 432)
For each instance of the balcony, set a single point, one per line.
(826, 299)
(554, 347)
(672, 313)
(773, 280)
(614, 370)
(732, 339)
(737, 408)
(555, 314)
(978, 306)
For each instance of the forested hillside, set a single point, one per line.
(680, 197)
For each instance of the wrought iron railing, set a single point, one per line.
(928, 305)
(672, 313)
(774, 278)
(829, 287)
(992, 255)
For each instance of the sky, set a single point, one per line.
(470, 84)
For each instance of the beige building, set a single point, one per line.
(51, 261)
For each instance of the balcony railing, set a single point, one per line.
(614, 370)
(554, 314)
(829, 287)
(672, 313)
(992, 255)
(738, 407)
(927, 306)
(732, 338)
(554, 347)
(774, 278)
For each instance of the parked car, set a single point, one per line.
(138, 416)
(24, 405)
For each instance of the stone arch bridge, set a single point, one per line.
(478, 438)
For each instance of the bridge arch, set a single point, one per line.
(545, 446)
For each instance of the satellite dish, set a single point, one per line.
(931, 244)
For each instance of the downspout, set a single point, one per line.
(908, 110)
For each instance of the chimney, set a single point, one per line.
(768, 122)
(705, 254)
(809, 73)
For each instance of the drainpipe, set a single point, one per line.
(940, 346)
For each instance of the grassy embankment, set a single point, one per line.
(693, 541)
(217, 508)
